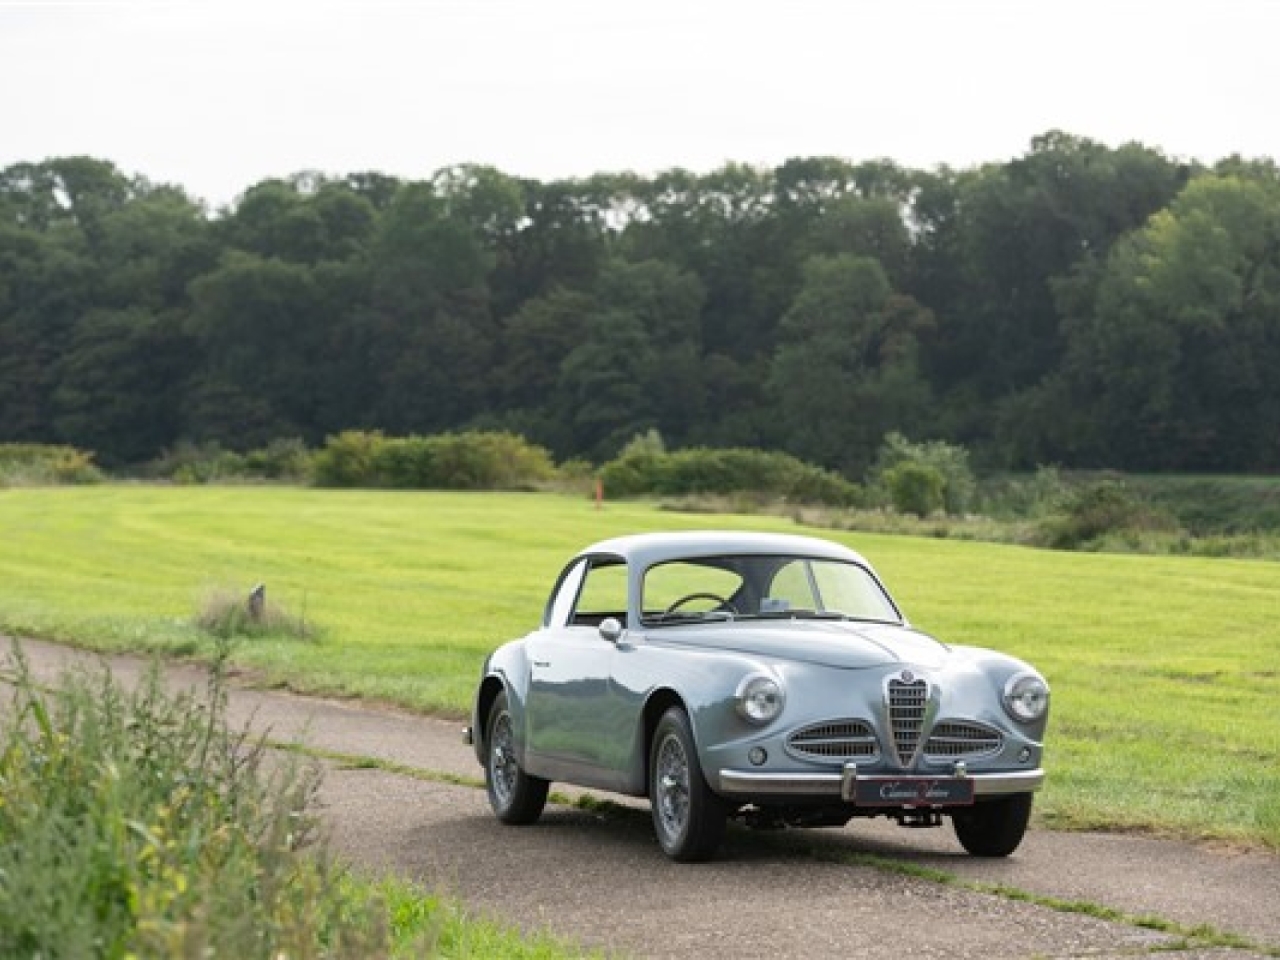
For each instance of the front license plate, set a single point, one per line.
(913, 791)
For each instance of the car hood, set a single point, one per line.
(844, 644)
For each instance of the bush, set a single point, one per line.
(451, 461)
(728, 471)
(914, 488)
(951, 462)
(135, 823)
(347, 459)
(38, 464)
(287, 460)
(1038, 495)
(1106, 508)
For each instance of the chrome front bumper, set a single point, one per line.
(757, 783)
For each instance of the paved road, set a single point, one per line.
(600, 880)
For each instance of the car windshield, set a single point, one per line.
(762, 587)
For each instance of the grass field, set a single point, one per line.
(1165, 671)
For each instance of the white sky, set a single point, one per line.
(217, 95)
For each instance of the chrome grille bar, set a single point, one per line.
(950, 739)
(835, 740)
(907, 703)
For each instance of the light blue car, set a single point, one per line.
(760, 676)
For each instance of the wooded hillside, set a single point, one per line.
(1080, 305)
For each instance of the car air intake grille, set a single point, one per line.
(835, 740)
(951, 740)
(907, 702)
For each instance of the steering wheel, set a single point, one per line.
(721, 601)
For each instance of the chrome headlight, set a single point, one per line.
(1026, 697)
(759, 698)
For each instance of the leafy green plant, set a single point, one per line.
(136, 823)
(490, 460)
(38, 464)
(915, 487)
(950, 461)
(1106, 507)
(702, 470)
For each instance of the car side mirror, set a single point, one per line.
(611, 629)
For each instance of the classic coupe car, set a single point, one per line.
(759, 676)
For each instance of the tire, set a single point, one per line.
(993, 828)
(516, 797)
(688, 818)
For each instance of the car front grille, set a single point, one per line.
(952, 739)
(835, 740)
(907, 702)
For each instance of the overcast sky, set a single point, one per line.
(216, 95)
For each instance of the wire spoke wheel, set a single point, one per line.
(688, 818)
(503, 769)
(672, 787)
(515, 796)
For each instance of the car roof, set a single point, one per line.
(646, 549)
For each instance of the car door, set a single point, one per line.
(577, 730)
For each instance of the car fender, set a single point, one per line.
(703, 682)
(506, 669)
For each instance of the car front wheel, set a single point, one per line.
(688, 818)
(515, 796)
(993, 828)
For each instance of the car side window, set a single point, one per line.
(561, 606)
(603, 594)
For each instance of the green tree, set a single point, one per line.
(1175, 360)
(431, 334)
(845, 371)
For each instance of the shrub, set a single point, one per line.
(725, 471)
(39, 464)
(1038, 495)
(197, 463)
(450, 461)
(135, 823)
(347, 459)
(1105, 508)
(287, 459)
(915, 488)
(950, 461)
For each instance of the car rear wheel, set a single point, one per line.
(688, 818)
(993, 828)
(515, 796)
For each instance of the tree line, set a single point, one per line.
(1079, 305)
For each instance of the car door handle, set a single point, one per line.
(542, 663)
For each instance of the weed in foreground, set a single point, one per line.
(135, 823)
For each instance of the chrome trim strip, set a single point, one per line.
(747, 783)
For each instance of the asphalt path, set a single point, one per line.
(598, 878)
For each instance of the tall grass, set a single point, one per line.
(135, 823)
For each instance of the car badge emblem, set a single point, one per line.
(908, 676)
